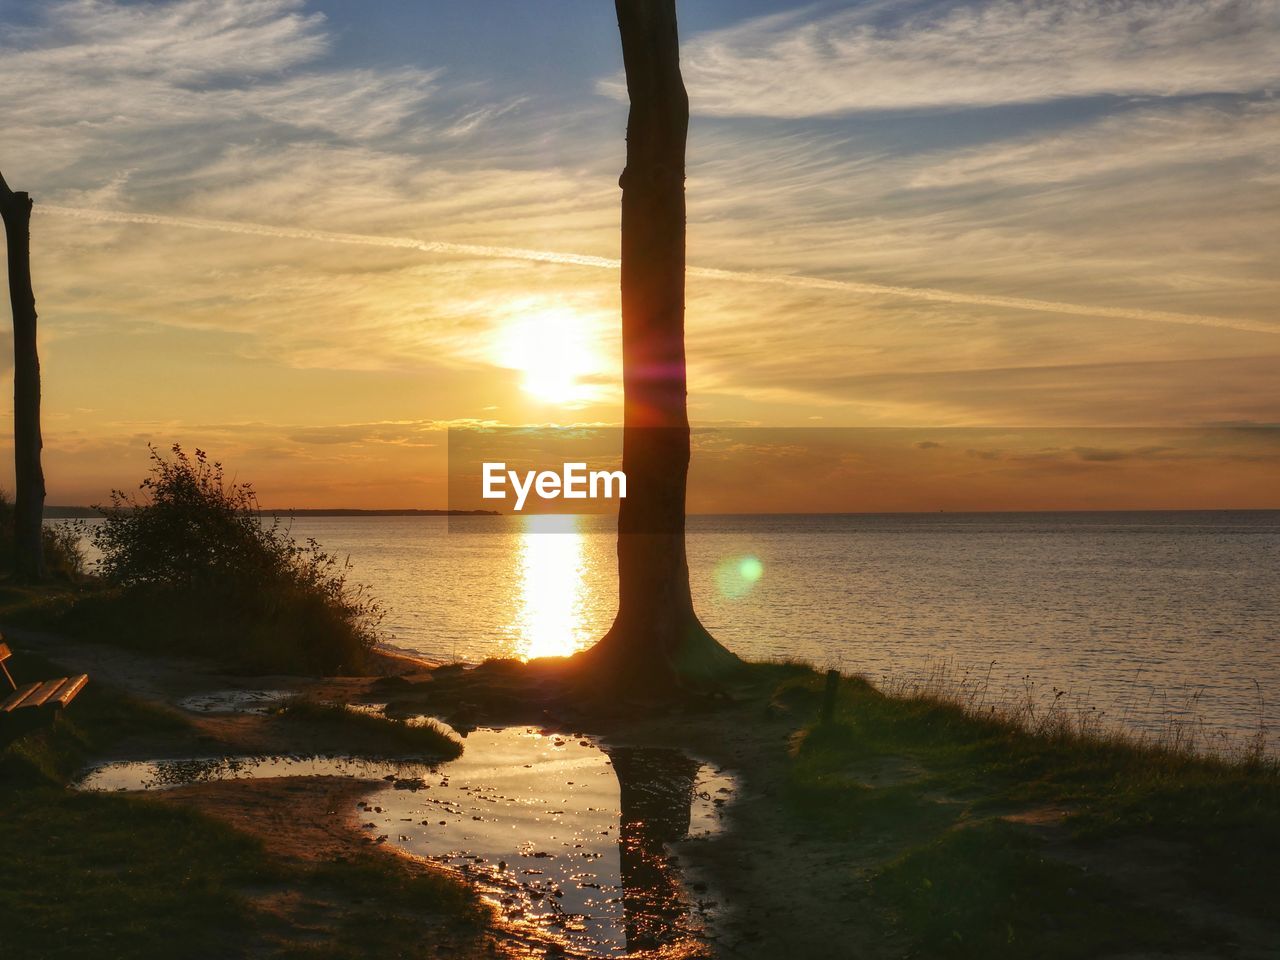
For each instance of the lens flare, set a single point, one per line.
(736, 576)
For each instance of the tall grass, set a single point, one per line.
(192, 567)
(1058, 716)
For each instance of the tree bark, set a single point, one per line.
(656, 639)
(29, 486)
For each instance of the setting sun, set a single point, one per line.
(556, 351)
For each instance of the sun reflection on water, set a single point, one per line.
(550, 616)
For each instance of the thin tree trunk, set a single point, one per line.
(29, 487)
(656, 639)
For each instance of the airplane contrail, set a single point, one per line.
(709, 273)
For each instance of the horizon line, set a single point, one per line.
(458, 511)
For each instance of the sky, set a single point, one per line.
(310, 237)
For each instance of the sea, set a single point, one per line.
(1155, 622)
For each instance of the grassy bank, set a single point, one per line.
(990, 835)
(927, 824)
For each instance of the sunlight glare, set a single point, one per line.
(555, 350)
(550, 621)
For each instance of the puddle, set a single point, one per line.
(542, 826)
(235, 701)
(567, 837)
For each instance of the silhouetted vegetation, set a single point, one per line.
(191, 567)
(63, 558)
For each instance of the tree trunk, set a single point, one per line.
(656, 640)
(29, 487)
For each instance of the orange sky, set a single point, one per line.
(309, 245)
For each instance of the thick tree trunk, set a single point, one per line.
(656, 640)
(29, 487)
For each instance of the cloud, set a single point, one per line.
(708, 273)
(882, 56)
(1106, 455)
(1134, 142)
(404, 433)
(183, 42)
(1172, 393)
(95, 83)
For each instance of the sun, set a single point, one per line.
(556, 352)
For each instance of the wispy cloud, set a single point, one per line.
(885, 56)
(708, 273)
(1140, 140)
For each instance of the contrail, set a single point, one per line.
(709, 273)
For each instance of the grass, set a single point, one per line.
(990, 891)
(938, 789)
(112, 876)
(50, 754)
(384, 735)
(292, 630)
(282, 628)
(129, 877)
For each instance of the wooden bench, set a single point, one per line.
(41, 695)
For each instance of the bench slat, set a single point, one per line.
(47, 690)
(15, 698)
(5, 652)
(70, 690)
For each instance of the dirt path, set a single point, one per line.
(171, 680)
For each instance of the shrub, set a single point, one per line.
(195, 566)
(63, 558)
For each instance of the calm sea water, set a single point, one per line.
(1145, 616)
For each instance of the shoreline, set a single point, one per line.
(901, 788)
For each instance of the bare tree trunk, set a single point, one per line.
(656, 639)
(29, 487)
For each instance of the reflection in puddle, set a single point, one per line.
(539, 823)
(565, 837)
